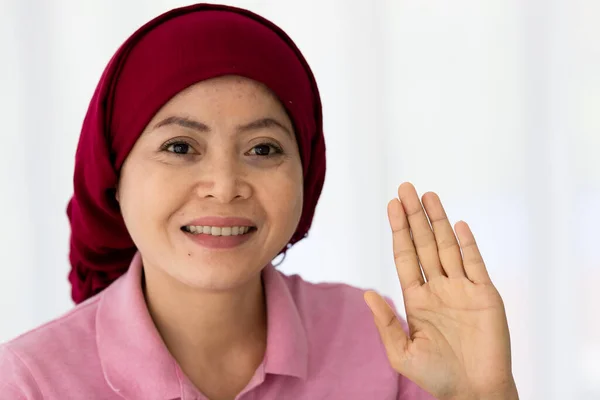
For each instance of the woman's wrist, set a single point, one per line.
(507, 393)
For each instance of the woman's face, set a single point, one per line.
(212, 189)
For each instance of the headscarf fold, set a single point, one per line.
(166, 55)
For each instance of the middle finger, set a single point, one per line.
(448, 249)
(422, 234)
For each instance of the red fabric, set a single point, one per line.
(166, 55)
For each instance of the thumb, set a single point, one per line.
(393, 336)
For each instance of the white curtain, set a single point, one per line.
(493, 104)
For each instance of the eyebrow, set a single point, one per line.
(186, 122)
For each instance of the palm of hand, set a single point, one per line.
(459, 345)
(456, 328)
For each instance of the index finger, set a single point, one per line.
(405, 255)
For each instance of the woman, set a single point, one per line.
(201, 159)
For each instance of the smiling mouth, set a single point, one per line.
(218, 230)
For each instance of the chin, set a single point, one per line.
(215, 274)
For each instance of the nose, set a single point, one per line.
(222, 178)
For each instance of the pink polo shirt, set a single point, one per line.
(321, 344)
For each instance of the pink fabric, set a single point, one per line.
(322, 344)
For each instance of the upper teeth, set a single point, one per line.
(218, 230)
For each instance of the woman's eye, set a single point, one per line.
(265, 150)
(179, 148)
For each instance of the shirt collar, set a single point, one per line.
(287, 344)
(135, 360)
(137, 364)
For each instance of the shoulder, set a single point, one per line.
(344, 343)
(67, 330)
(31, 360)
(16, 379)
(333, 303)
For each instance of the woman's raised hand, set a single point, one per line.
(458, 346)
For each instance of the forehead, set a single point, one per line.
(230, 88)
(226, 100)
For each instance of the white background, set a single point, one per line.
(493, 104)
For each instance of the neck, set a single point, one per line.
(207, 326)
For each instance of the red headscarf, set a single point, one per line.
(163, 57)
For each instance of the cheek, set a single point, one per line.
(284, 198)
(148, 197)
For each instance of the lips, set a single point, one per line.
(216, 232)
(221, 222)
